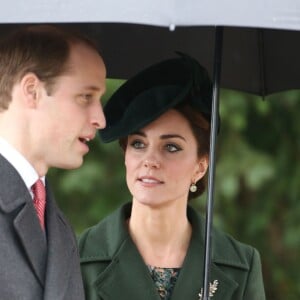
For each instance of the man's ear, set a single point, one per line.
(30, 85)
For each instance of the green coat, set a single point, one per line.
(113, 269)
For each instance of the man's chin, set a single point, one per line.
(75, 164)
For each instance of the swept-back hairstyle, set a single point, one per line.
(40, 49)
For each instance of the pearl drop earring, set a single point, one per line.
(193, 188)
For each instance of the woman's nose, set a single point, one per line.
(152, 163)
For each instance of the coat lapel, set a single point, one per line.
(190, 280)
(32, 239)
(113, 283)
(226, 286)
(121, 257)
(60, 252)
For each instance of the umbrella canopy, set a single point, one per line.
(261, 41)
(255, 60)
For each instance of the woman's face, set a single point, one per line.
(161, 161)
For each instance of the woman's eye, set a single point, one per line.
(137, 144)
(173, 148)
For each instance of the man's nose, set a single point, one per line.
(97, 116)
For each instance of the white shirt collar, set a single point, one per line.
(20, 163)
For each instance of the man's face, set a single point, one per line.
(71, 115)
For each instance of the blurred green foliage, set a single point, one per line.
(257, 185)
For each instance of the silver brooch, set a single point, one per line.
(212, 289)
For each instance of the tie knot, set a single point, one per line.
(38, 190)
(39, 200)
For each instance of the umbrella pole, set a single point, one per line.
(212, 159)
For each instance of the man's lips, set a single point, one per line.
(84, 140)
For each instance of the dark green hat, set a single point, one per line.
(150, 93)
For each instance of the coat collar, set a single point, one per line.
(122, 257)
(13, 189)
(114, 278)
(113, 234)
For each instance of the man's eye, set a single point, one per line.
(87, 97)
(137, 144)
(173, 148)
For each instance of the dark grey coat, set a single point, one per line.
(33, 265)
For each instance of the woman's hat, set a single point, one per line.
(150, 93)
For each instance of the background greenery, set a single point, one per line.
(257, 183)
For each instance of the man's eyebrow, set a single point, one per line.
(94, 88)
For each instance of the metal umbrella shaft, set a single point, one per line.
(212, 158)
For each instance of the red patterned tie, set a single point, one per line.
(39, 200)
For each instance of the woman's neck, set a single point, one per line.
(162, 236)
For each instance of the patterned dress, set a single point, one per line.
(164, 279)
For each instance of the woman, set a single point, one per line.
(153, 247)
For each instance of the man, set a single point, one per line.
(51, 83)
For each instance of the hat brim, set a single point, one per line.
(149, 94)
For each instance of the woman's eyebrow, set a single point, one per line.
(170, 136)
(163, 136)
(139, 133)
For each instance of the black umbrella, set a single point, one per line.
(255, 60)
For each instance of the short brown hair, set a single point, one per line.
(41, 49)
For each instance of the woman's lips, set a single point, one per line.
(150, 180)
